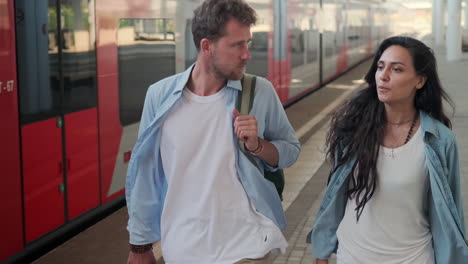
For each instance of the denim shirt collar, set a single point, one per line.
(235, 84)
(428, 124)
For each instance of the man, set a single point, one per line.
(188, 184)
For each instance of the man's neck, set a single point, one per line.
(203, 81)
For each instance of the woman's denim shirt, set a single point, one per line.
(445, 202)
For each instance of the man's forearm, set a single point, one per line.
(267, 152)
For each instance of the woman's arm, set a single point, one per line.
(453, 177)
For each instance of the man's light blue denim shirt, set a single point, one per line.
(146, 185)
(445, 203)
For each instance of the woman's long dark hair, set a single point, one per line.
(357, 127)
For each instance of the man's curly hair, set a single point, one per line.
(210, 18)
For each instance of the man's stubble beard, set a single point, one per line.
(226, 76)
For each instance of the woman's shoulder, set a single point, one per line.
(437, 128)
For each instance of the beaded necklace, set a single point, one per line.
(392, 155)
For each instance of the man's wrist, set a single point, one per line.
(139, 249)
(259, 148)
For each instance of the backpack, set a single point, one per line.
(244, 105)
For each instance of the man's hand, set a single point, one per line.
(246, 130)
(321, 261)
(141, 258)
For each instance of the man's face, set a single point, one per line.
(231, 52)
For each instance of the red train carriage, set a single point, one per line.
(73, 76)
(10, 189)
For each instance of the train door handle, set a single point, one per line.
(61, 188)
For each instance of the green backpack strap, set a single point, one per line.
(245, 100)
(244, 105)
(247, 94)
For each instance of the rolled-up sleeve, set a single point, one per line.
(145, 209)
(278, 130)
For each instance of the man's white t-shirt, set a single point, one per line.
(207, 216)
(393, 227)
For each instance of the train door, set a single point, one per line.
(335, 49)
(296, 47)
(261, 47)
(58, 111)
(279, 70)
(357, 32)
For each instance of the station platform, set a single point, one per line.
(107, 241)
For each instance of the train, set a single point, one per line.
(74, 73)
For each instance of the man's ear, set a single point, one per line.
(205, 46)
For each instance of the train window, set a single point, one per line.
(146, 54)
(78, 55)
(297, 46)
(191, 52)
(37, 60)
(259, 48)
(56, 58)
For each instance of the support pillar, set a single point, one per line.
(453, 45)
(433, 19)
(466, 14)
(438, 11)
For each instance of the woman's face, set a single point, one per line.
(396, 77)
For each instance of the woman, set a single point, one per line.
(393, 194)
